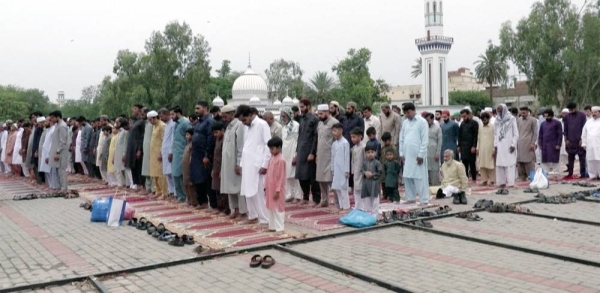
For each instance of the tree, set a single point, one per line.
(355, 79)
(477, 100)
(284, 77)
(18, 103)
(89, 94)
(417, 68)
(225, 69)
(491, 68)
(321, 85)
(556, 47)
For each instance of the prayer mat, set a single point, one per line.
(320, 219)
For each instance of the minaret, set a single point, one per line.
(434, 49)
(61, 98)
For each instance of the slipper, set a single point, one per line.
(479, 203)
(530, 190)
(463, 215)
(141, 225)
(132, 222)
(427, 224)
(255, 261)
(160, 228)
(166, 236)
(487, 204)
(151, 229)
(500, 191)
(188, 239)
(504, 192)
(155, 234)
(386, 219)
(267, 262)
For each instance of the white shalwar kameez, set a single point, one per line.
(3, 141)
(590, 139)
(51, 175)
(413, 141)
(290, 142)
(255, 155)
(340, 166)
(78, 155)
(506, 135)
(16, 155)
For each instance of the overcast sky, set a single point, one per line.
(67, 45)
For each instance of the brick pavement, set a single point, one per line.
(232, 274)
(580, 210)
(424, 262)
(50, 239)
(558, 237)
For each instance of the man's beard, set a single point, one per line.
(446, 119)
(549, 119)
(323, 118)
(349, 114)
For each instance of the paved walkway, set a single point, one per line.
(52, 239)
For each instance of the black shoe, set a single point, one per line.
(462, 197)
(456, 198)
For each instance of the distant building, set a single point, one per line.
(517, 96)
(464, 80)
(61, 98)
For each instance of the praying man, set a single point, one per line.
(413, 140)
(590, 142)
(506, 136)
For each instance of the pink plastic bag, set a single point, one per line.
(129, 212)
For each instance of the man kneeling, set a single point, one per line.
(454, 180)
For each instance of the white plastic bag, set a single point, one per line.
(540, 181)
(116, 213)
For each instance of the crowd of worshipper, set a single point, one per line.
(246, 165)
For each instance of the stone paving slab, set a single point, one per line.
(423, 262)
(50, 239)
(84, 287)
(565, 238)
(233, 274)
(580, 210)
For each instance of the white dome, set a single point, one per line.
(296, 101)
(287, 101)
(255, 100)
(218, 102)
(277, 103)
(247, 86)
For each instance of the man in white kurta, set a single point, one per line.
(590, 141)
(51, 175)
(17, 158)
(289, 135)
(255, 160)
(3, 141)
(413, 141)
(506, 137)
(166, 148)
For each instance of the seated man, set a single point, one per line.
(454, 180)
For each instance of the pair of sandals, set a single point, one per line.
(469, 216)
(483, 204)
(502, 191)
(531, 190)
(259, 261)
(395, 216)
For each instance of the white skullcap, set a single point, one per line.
(9, 121)
(323, 107)
(4, 125)
(467, 107)
(41, 119)
(152, 114)
(565, 110)
(488, 109)
(595, 108)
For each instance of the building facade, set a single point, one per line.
(434, 49)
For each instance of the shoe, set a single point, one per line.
(568, 177)
(456, 198)
(462, 197)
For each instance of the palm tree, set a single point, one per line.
(491, 68)
(322, 83)
(417, 69)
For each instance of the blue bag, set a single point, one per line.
(100, 208)
(359, 219)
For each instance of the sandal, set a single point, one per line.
(267, 262)
(463, 215)
(473, 217)
(141, 225)
(188, 239)
(499, 191)
(255, 261)
(132, 222)
(176, 241)
(479, 203)
(151, 229)
(504, 191)
(530, 190)
(166, 236)
(386, 219)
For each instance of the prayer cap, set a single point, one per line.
(565, 110)
(227, 108)
(595, 108)
(424, 114)
(152, 114)
(41, 119)
(335, 103)
(8, 121)
(488, 109)
(446, 112)
(384, 105)
(351, 104)
(323, 107)
(4, 125)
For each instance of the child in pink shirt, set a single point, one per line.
(275, 185)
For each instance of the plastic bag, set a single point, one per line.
(115, 213)
(100, 208)
(540, 180)
(359, 219)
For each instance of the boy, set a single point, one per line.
(372, 134)
(275, 186)
(358, 156)
(222, 200)
(391, 168)
(386, 138)
(190, 192)
(371, 170)
(340, 166)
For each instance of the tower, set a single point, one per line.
(434, 49)
(61, 98)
